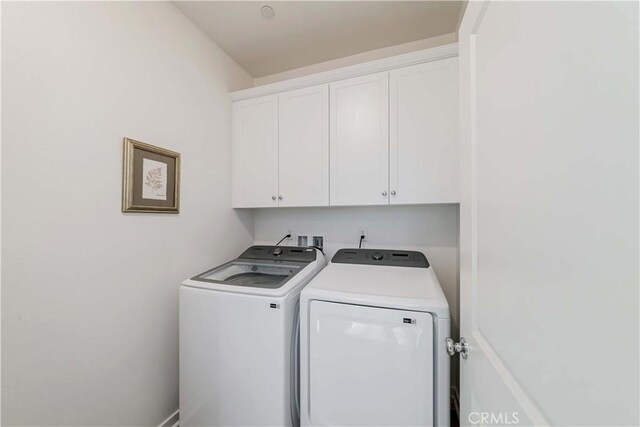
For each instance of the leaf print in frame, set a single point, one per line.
(150, 178)
(154, 184)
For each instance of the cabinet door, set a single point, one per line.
(424, 133)
(359, 141)
(255, 152)
(304, 147)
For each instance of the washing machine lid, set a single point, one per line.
(261, 270)
(407, 288)
(252, 273)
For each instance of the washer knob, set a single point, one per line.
(277, 252)
(377, 256)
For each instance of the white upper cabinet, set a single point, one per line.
(347, 138)
(423, 166)
(359, 141)
(304, 147)
(255, 152)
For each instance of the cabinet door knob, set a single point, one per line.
(280, 197)
(393, 192)
(273, 197)
(384, 193)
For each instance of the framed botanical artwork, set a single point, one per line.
(150, 178)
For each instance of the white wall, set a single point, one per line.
(359, 58)
(432, 229)
(89, 295)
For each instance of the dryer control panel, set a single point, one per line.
(388, 257)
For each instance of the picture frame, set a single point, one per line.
(150, 178)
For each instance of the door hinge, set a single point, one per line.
(458, 347)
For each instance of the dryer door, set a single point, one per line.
(369, 366)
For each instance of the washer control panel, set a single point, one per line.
(386, 257)
(280, 253)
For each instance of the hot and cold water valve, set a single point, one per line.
(304, 240)
(317, 241)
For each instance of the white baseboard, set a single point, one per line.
(172, 420)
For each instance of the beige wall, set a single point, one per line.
(89, 295)
(359, 58)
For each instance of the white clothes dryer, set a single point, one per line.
(373, 326)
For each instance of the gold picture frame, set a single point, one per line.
(150, 178)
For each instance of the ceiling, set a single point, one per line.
(308, 32)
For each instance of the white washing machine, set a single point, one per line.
(239, 338)
(373, 326)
